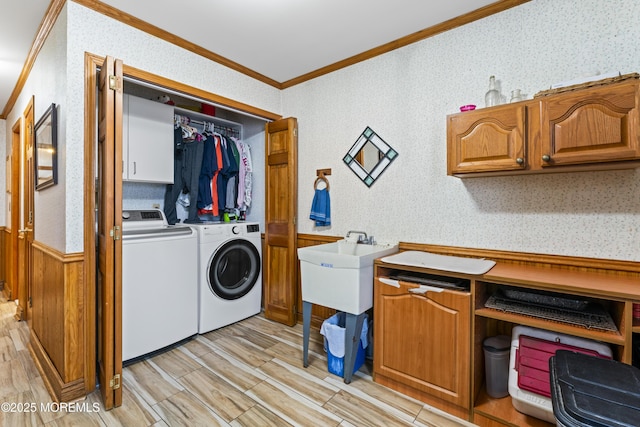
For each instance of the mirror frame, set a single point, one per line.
(46, 149)
(386, 155)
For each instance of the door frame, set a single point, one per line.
(27, 195)
(14, 200)
(92, 64)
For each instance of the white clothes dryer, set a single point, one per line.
(230, 273)
(159, 283)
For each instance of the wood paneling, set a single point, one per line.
(5, 238)
(57, 322)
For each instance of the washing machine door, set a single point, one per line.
(234, 269)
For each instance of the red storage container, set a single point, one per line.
(532, 362)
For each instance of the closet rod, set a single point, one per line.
(221, 127)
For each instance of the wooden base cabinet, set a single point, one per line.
(429, 345)
(422, 343)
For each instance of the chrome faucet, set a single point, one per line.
(363, 239)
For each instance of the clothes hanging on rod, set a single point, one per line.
(207, 127)
(187, 162)
(222, 167)
(225, 180)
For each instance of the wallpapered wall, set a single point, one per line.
(59, 210)
(405, 96)
(47, 84)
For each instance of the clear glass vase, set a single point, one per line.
(492, 97)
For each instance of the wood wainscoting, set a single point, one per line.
(57, 325)
(4, 262)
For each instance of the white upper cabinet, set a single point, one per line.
(147, 141)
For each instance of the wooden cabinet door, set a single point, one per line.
(423, 341)
(487, 140)
(280, 260)
(590, 126)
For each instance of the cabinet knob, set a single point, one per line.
(546, 158)
(519, 160)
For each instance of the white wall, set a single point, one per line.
(92, 32)
(405, 96)
(58, 76)
(47, 84)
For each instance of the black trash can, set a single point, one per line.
(588, 391)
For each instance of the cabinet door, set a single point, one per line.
(423, 341)
(149, 141)
(487, 140)
(590, 126)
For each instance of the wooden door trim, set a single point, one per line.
(16, 141)
(90, 132)
(190, 91)
(28, 116)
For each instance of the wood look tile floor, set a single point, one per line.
(246, 374)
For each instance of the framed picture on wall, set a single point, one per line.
(46, 152)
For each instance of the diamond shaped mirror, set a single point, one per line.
(369, 156)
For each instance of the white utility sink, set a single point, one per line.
(339, 275)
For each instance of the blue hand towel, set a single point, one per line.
(321, 208)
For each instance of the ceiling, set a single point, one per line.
(278, 39)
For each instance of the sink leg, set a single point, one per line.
(353, 324)
(306, 324)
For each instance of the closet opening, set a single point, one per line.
(203, 109)
(201, 116)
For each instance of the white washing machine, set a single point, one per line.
(230, 273)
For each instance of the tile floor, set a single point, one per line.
(246, 374)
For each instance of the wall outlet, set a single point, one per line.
(156, 206)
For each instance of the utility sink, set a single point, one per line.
(339, 275)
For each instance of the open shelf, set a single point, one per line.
(604, 336)
(488, 407)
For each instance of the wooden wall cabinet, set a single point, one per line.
(488, 140)
(594, 128)
(422, 342)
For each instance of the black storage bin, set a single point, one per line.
(594, 392)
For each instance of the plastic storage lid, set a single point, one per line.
(499, 343)
(590, 391)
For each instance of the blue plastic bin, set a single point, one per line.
(333, 330)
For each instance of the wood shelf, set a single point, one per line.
(608, 337)
(488, 407)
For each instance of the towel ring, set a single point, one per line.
(321, 179)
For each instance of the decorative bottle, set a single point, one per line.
(492, 97)
(516, 95)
